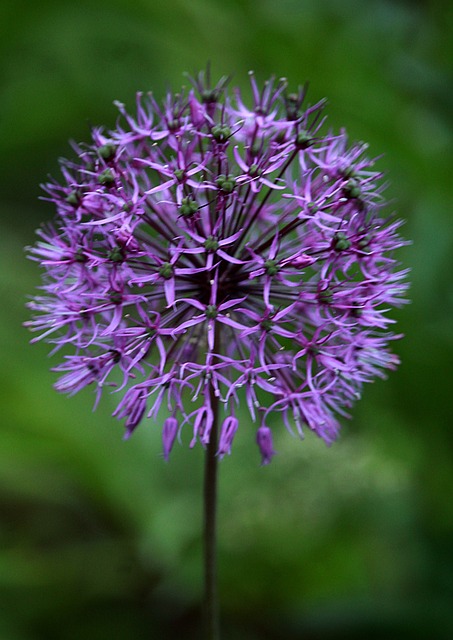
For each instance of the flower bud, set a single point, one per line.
(229, 428)
(264, 442)
(132, 407)
(169, 433)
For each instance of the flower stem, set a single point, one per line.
(211, 607)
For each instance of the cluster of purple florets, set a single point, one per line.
(207, 253)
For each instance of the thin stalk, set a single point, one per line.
(211, 606)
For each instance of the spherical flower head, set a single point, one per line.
(210, 253)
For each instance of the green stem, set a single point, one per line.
(211, 606)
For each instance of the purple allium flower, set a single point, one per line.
(264, 442)
(229, 428)
(169, 433)
(204, 246)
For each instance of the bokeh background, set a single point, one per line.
(100, 538)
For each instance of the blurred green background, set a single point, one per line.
(100, 538)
